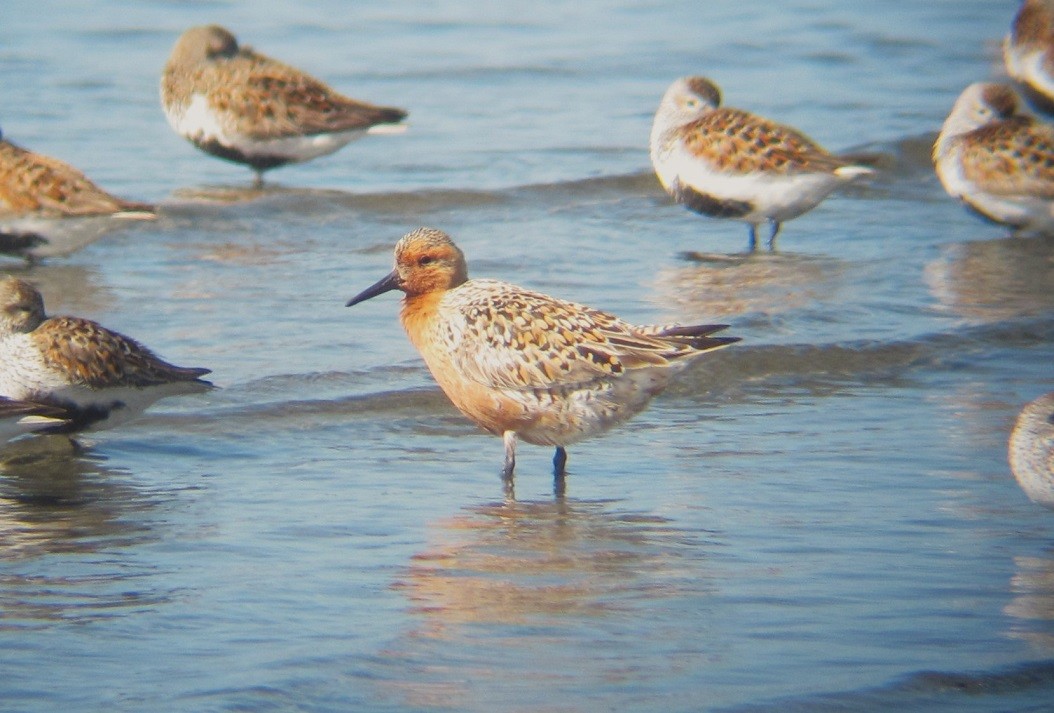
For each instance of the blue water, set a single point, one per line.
(819, 518)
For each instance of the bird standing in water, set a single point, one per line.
(729, 163)
(524, 365)
(97, 376)
(243, 106)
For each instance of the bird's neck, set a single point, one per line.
(417, 314)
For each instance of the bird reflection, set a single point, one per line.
(992, 280)
(721, 286)
(500, 581)
(226, 195)
(38, 238)
(56, 498)
(1032, 605)
(518, 561)
(270, 196)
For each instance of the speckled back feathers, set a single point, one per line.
(31, 183)
(988, 148)
(504, 336)
(733, 140)
(257, 96)
(84, 352)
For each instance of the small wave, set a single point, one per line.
(904, 169)
(819, 367)
(300, 413)
(740, 373)
(901, 165)
(291, 200)
(1023, 688)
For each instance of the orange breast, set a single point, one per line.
(489, 408)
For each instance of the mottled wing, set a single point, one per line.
(269, 100)
(1015, 156)
(98, 358)
(32, 183)
(739, 142)
(504, 337)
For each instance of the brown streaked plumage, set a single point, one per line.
(33, 184)
(1028, 50)
(730, 163)
(998, 160)
(740, 142)
(1031, 450)
(79, 365)
(243, 106)
(522, 364)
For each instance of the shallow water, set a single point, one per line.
(819, 518)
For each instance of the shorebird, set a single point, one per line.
(99, 377)
(998, 160)
(20, 417)
(1028, 51)
(729, 163)
(35, 185)
(243, 106)
(1031, 450)
(521, 364)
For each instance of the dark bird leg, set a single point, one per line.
(753, 237)
(560, 461)
(509, 438)
(560, 472)
(775, 227)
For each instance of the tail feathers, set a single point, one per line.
(851, 172)
(862, 163)
(160, 373)
(191, 373)
(706, 344)
(132, 210)
(698, 336)
(694, 330)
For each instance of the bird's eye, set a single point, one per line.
(426, 260)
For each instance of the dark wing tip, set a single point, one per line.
(187, 373)
(694, 330)
(391, 115)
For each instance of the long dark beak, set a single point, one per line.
(386, 284)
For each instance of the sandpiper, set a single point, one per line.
(998, 160)
(243, 106)
(1031, 450)
(32, 184)
(521, 364)
(729, 163)
(1028, 51)
(98, 376)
